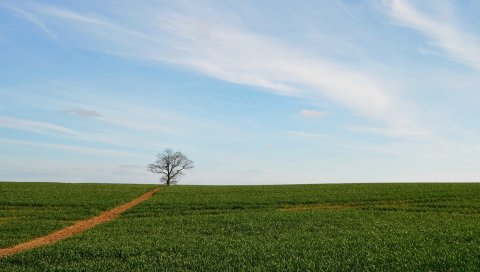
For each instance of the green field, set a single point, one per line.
(29, 210)
(354, 227)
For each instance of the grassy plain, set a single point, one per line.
(352, 227)
(29, 210)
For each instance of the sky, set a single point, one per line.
(254, 92)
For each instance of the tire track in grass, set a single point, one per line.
(77, 227)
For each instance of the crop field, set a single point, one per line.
(345, 227)
(29, 210)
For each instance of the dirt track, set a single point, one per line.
(77, 227)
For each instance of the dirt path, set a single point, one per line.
(77, 227)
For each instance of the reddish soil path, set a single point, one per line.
(77, 227)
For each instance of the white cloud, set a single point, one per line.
(83, 112)
(68, 148)
(313, 113)
(35, 21)
(410, 132)
(460, 45)
(226, 50)
(35, 126)
(303, 134)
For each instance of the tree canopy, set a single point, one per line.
(171, 165)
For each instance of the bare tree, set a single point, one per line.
(171, 165)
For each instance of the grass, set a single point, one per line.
(366, 227)
(29, 210)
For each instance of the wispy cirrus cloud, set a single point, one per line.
(115, 122)
(418, 133)
(225, 49)
(34, 20)
(441, 27)
(68, 148)
(313, 113)
(304, 134)
(35, 126)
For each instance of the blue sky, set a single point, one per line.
(254, 92)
